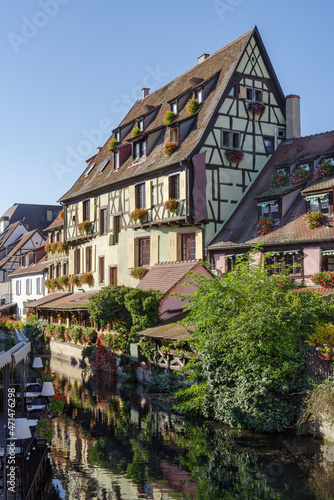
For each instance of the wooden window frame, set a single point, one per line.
(272, 141)
(280, 264)
(138, 187)
(172, 132)
(103, 217)
(112, 275)
(117, 227)
(279, 204)
(254, 91)
(330, 205)
(77, 260)
(139, 261)
(139, 143)
(102, 268)
(65, 268)
(181, 255)
(18, 287)
(174, 186)
(230, 134)
(86, 210)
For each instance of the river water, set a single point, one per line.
(116, 442)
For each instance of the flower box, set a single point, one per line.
(113, 143)
(169, 117)
(323, 170)
(86, 278)
(84, 227)
(139, 272)
(265, 225)
(138, 214)
(324, 278)
(256, 108)
(278, 180)
(75, 280)
(172, 205)
(234, 155)
(63, 280)
(135, 132)
(192, 106)
(315, 219)
(168, 148)
(300, 174)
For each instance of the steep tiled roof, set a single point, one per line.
(166, 275)
(240, 229)
(7, 232)
(70, 302)
(18, 245)
(57, 223)
(39, 267)
(48, 299)
(169, 330)
(219, 66)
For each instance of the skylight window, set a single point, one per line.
(103, 166)
(90, 169)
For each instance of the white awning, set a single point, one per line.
(21, 353)
(5, 359)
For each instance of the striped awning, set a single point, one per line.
(268, 202)
(321, 196)
(327, 252)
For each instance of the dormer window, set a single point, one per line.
(199, 95)
(141, 124)
(269, 209)
(173, 107)
(90, 169)
(319, 203)
(174, 135)
(117, 136)
(116, 160)
(139, 149)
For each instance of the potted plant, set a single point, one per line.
(315, 219)
(135, 132)
(62, 247)
(323, 339)
(113, 143)
(256, 108)
(86, 278)
(168, 148)
(323, 170)
(138, 214)
(75, 280)
(192, 106)
(234, 155)
(44, 430)
(172, 205)
(278, 180)
(300, 174)
(265, 225)
(169, 117)
(48, 248)
(54, 247)
(324, 278)
(84, 227)
(63, 280)
(139, 272)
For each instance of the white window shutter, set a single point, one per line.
(183, 185)
(199, 245)
(132, 198)
(148, 194)
(166, 189)
(154, 249)
(172, 247)
(131, 253)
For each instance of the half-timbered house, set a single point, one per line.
(178, 164)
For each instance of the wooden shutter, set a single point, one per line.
(172, 246)
(242, 92)
(71, 261)
(166, 189)
(131, 253)
(148, 194)
(154, 253)
(94, 258)
(132, 198)
(199, 245)
(265, 97)
(183, 185)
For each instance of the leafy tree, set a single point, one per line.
(108, 306)
(250, 369)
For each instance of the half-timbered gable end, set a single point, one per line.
(177, 165)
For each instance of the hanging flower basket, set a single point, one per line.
(84, 227)
(234, 155)
(75, 280)
(138, 214)
(265, 225)
(139, 272)
(168, 148)
(324, 279)
(87, 278)
(113, 143)
(63, 280)
(256, 108)
(192, 106)
(62, 247)
(300, 174)
(48, 248)
(61, 214)
(135, 132)
(172, 205)
(51, 284)
(315, 219)
(325, 169)
(278, 180)
(169, 117)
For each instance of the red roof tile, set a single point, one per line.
(166, 275)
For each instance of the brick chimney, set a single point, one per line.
(292, 108)
(202, 58)
(145, 92)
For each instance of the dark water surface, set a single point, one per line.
(115, 442)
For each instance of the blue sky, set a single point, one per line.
(71, 70)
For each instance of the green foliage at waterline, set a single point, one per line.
(250, 369)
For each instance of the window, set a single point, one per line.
(232, 92)
(320, 203)
(174, 135)
(103, 166)
(113, 275)
(18, 288)
(253, 94)
(101, 270)
(48, 215)
(52, 238)
(199, 95)
(269, 145)
(116, 161)
(77, 261)
(51, 272)
(281, 133)
(174, 187)
(143, 251)
(86, 210)
(140, 195)
(117, 227)
(28, 286)
(173, 107)
(58, 270)
(230, 139)
(141, 124)
(90, 168)
(103, 221)
(39, 286)
(65, 268)
(287, 263)
(118, 136)
(188, 246)
(269, 209)
(139, 149)
(89, 253)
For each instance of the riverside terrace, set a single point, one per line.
(31, 454)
